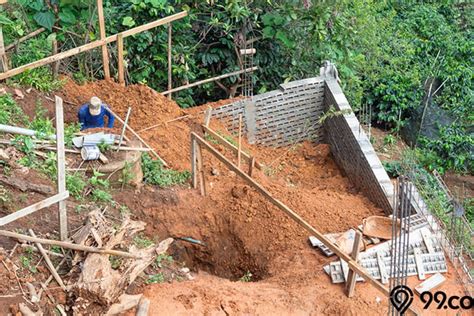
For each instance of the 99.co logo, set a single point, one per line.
(445, 302)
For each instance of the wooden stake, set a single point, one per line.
(125, 124)
(200, 169)
(55, 65)
(138, 136)
(207, 116)
(193, 162)
(68, 245)
(48, 262)
(3, 56)
(197, 83)
(170, 83)
(239, 151)
(105, 53)
(121, 70)
(351, 279)
(251, 166)
(61, 157)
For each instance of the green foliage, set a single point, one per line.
(10, 112)
(142, 241)
(5, 196)
(162, 259)
(389, 140)
(115, 262)
(155, 173)
(155, 278)
(103, 146)
(126, 176)
(69, 132)
(247, 277)
(100, 195)
(26, 262)
(75, 184)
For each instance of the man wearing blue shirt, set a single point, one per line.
(92, 115)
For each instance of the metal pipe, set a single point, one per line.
(23, 131)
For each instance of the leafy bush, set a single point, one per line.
(155, 173)
(10, 112)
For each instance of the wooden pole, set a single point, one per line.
(33, 208)
(229, 145)
(50, 265)
(24, 38)
(200, 170)
(123, 128)
(294, 216)
(92, 45)
(55, 65)
(207, 116)
(138, 136)
(61, 160)
(193, 162)
(121, 70)
(352, 278)
(170, 83)
(67, 245)
(197, 83)
(239, 151)
(105, 53)
(251, 166)
(3, 55)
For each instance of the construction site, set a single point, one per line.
(282, 206)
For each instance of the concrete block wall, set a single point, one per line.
(291, 114)
(280, 117)
(353, 151)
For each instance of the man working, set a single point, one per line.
(92, 114)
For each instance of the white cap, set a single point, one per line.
(94, 106)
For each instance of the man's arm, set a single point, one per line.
(111, 118)
(81, 115)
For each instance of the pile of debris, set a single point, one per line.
(93, 284)
(425, 254)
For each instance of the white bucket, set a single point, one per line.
(90, 153)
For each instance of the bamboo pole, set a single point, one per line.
(139, 138)
(170, 83)
(123, 128)
(61, 161)
(49, 264)
(66, 244)
(3, 55)
(197, 83)
(239, 150)
(24, 38)
(121, 70)
(105, 53)
(92, 45)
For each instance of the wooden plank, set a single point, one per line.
(24, 38)
(430, 284)
(229, 145)
(239, 149)
(419, 264)
(49, 264)
(200, 171)
(121, 70)
(33, 208)
(61, 161)
(352, 278)
(193, 162)
(105, 52)
(67, 245)
(55, 65)
(382, 269)
(294, 216)
(251, 166)
(198, 83)
(170, 83)
(92, 45)
(139, 138)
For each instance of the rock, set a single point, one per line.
(215, 172)
(19, 94)
(28, 90)
(3, 155)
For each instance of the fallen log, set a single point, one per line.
(24, 186)
(68, 245)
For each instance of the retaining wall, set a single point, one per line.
(280, 117)
(291, 114)
(353, 151)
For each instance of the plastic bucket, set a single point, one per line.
(90, 153)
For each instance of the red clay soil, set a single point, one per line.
(240, 230)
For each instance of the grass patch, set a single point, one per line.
(10, 112)
(155, 173)
(155, 278)
(142, 241)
